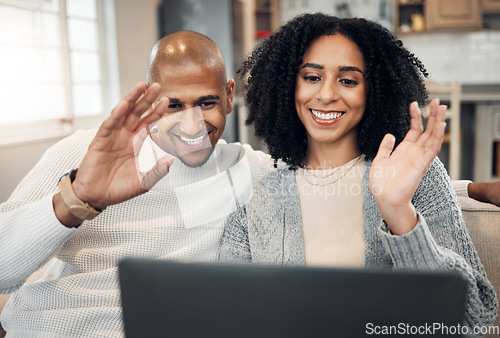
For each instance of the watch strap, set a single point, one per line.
(77, 207)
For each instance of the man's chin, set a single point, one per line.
(196, 159)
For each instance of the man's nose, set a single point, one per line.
(192, 122)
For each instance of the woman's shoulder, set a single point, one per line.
(276, 187)
(276, 178)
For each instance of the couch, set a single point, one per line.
(483, 224)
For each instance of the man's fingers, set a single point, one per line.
(114, 120)
(139, 141)
(141, 106)
(161, 168)
(145, 102)
(157, 113)
(135, 93)
(122, 109)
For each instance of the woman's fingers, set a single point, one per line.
(416, 127)
(386, 147)
(436, 134)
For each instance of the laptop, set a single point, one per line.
(172, 299)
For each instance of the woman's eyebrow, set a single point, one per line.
(341, 68)
(350, 69)
(312, 65)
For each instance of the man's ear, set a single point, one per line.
(230, 95)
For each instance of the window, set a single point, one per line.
(52, 59)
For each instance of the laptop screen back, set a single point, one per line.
(171, 299)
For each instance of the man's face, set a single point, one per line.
(200, 99)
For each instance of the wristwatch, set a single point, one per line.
(78, 208)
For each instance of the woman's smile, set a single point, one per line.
(326, 117)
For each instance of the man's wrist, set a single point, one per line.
(63, 214)
(71, 208)
(478, 191)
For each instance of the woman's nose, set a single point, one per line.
(328, 91)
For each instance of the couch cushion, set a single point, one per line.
(483, 223)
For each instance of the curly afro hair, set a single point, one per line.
(394, 75)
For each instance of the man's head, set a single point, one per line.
(192, 73)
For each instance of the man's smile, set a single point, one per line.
(194, 141)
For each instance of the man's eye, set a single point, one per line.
(312, 78)
(174, 106)
(207, 105)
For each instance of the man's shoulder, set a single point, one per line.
(80, 139)
(253, 154)
(70, 150)
(82, 135)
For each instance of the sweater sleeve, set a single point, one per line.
(461, 187)
(235, 245)
(441, 242)
(30, 232)
(31, 235)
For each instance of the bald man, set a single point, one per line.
(154, 181)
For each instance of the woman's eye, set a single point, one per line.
(312, 78)
(207, 105)
(349, 82)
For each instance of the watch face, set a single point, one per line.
(63, 176)
(71, 173)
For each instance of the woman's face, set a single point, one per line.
(331, 90)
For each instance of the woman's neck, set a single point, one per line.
(326, 156)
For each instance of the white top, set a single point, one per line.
(331, 203)
(79, 294)
(461, 187)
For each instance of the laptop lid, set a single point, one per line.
(172, 299)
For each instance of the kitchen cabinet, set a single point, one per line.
(415, 16)
(490, 6)
(453, 14)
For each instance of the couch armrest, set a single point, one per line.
(483, 224)
(3, 300)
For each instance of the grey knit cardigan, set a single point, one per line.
(269, 230)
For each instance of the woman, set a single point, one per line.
(361, 184)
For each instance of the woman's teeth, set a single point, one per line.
(327, 116)
(193, 141)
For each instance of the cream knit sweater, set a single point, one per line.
(182, 217)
